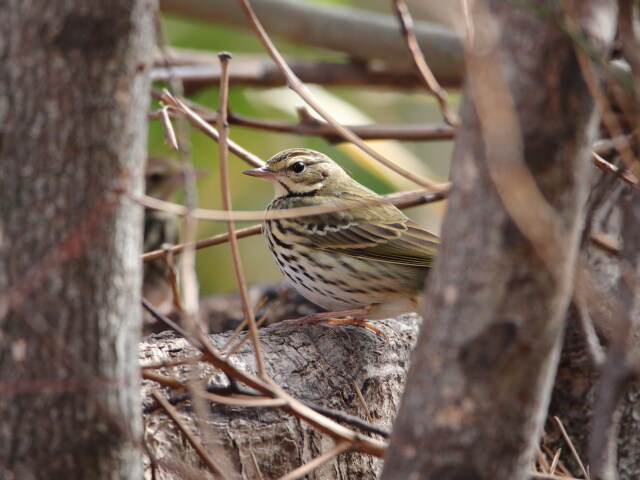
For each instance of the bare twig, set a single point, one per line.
(315, 127)
(224, 215)
(551, 476)
(206, 242)
(167, 127)
(316, 462)
(188, 434)
(362, 401)
(223, 129)
(257, 467)
(296, 85)
(609, 119)
(337, 415)
(208, 130)
(188, 302)
(605, 243)
(406, 22)
(574, 452)
(624, 174)
(399, 199)
(197, 71)
(259, 323)
(554, 463)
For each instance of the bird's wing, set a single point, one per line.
(160, 228)
(380, 233)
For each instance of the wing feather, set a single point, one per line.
(382, 233)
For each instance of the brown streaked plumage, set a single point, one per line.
(371, 259)
(163, 176)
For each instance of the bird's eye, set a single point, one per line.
(298, 167)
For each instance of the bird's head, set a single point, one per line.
(163, 176)
(302, 172)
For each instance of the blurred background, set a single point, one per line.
(350, 105)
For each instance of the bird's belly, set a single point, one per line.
(340, 282)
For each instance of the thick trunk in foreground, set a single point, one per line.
(73, 95)
(482, 370)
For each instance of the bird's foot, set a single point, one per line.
(360, 322)
(342, 317)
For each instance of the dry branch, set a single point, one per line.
(199, 70)
(339, 28)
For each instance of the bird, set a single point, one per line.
(367, 262)
(163, 176)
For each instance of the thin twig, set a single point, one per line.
(542, 459)
(211, 132)
(242, 324)
(622, 173)
(312, 126)
(223, 130)
(167, 128)
(561, 465)
(417, 198)
(574, 452)
(605, 243)
(316, 462)
(401, 200)
(237, 346)
(554, 463)
(255, 464)
(551, 476)
(337, 415)
(186, 431)
(406, 23)
(297, 86)
(590, 77)
(204, 243)
(362, 402)
(187, 303)
(196, 72)
(259, 323)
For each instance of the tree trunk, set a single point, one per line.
(483, 367)
(312, 363)
(613, 209)
(73, 96)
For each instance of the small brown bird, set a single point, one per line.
(163, 176)
(368, 261)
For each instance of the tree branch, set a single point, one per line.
(338, 28)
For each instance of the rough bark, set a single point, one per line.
(611, 210)
(73, 95)
(483, 367)
(312, 363)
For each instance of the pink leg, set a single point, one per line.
(330, 318)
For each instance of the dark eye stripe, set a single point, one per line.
(284, 185)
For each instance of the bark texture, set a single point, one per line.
(483, 367)
(613, 208)
(312, 363)
(73, 95)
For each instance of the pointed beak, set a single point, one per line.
(260, 173)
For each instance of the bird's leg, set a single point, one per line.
(341, 317)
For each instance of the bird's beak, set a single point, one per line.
(260, 172)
